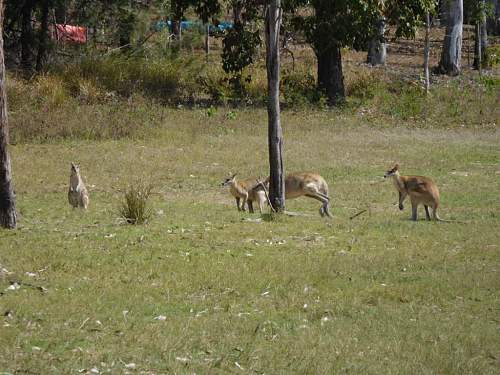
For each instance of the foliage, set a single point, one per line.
(239, 50)
(207, 8)
(408, 15)
(135, 208)
(299, 89)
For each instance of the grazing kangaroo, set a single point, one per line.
(420, 189)
(247, 191)
(311, 185)
(78, 195)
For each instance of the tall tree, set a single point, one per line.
(377, 47)
(43, 36)
(481, 40)
(275, 133)
(206, 9)
(452, 44)
(331, 26)
(178, 8)
(427, 47)
(26, 34)
(408, 16)
(8, 216)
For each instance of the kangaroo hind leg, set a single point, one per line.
(427, 212)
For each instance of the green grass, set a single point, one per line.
(305, 295)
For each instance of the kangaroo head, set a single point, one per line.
(393, 171)
(228, 181)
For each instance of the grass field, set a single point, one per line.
(199, 289)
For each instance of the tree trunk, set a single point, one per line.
(207, 40)
(442, 13)
(237, 9)
(330, 77)
(377, 48)
(452, 44)
(481, 42)
(427, 48)
(8, 216)
(275, 134)
(43, 38)
(177, 29)
(26, 35)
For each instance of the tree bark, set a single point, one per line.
(43, 37)
(427, 48)
(452, 43)
(377, 48)
(207, 40)
(237, 10)
(8, 215)
(330, 76)
(275, 133)
(26, 35)
(481, 42)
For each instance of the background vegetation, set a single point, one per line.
(203, 288)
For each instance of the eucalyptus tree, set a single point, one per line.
(206, 9)
(8, 216)
(330, 26)
(451, 55)
(241, 42)
(377, 47)
(408, 16)
(275, 134)
(478, 10)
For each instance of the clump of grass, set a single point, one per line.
(299, 89)
(363, 85)
(135, 208)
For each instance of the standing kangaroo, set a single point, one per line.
(78, 195)
(310, 185)
(247, 191)
(420, 189)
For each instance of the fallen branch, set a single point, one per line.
(356, 215)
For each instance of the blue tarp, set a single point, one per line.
(189, 25)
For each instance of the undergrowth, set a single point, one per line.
(115, 97)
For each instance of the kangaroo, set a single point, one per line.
(78, 195)
(420, 189)
(311, 185)
(247, 191)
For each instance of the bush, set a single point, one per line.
(362, 85)
(135, 208)
(299, 89)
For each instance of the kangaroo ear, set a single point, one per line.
(396, 167)
(233, 176)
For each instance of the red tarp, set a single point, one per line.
(69, 33)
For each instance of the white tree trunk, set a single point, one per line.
(481, 41)
(427, 48)
(207, 40)
(275, 134)
(377, 48)
(452, 44)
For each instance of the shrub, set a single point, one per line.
(362, 85)
(135, 208)
(299, 89)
